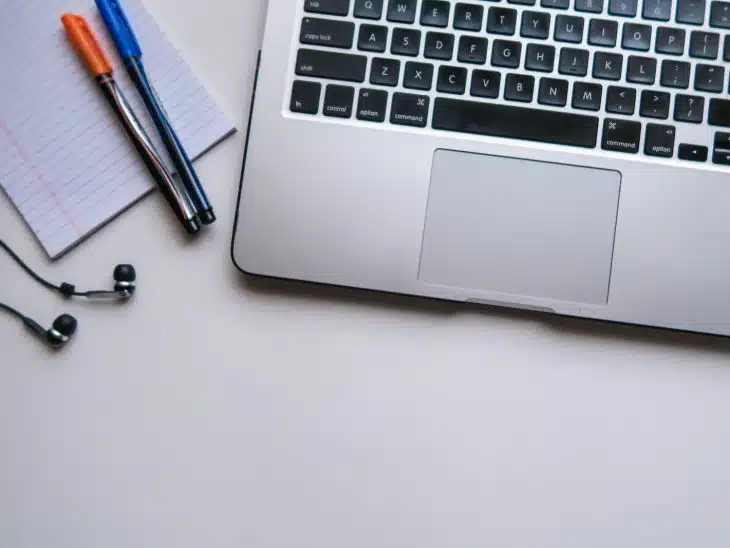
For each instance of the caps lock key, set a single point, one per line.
(327, 32)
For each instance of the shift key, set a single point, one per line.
(330, 65)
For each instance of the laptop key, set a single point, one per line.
(327, 32)
(573, 62)
(721, 157)
(553, 92)
(305, 97)
(691, 12)
(506, 54)
(402, 11)
(722, 140)
(418, 76)
(555, 4)
(659, 140)
(587, 96)
(602, 32)
(385, 72)
(590, 6)
(670, 40)
(406, 42)
(689, 108)
(468, 17)
(657, 10)
(675, 74)
(719, 114)
(607, 66)
(636, 37)
(620, 100)
(483, 118)
(501, 20)
(535, 24)
(720, 15)
(709, 78)
(409, 110)
(372, 38)
(472, 50)
(338, 101)
(721, 149)
(654, 104)
(540, 57)
(331, 65)
(371, 105)
(569, 28)
(368, 9)
(641, 70)
(329, 7)
(435, 13)
(692, 153)
(519, 87)
(439, 46)
(451, 80)
(621, 135)
(704, 45)
(623, 8)
(485, 83)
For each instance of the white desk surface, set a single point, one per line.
(211, 411)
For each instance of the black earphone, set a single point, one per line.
(64, 327)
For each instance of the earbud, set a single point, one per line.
(125, 283)
(59, 334)
(125, 278)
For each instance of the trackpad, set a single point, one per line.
(520, 227)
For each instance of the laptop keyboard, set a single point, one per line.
(636, 77)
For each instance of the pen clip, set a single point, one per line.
(86, 44)
(120, 29)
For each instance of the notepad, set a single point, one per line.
(65, 161)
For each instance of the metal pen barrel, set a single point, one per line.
(184, 210)
(183, 165)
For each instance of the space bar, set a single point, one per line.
(515, 122)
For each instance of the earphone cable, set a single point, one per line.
(65, 289)
(12, 311)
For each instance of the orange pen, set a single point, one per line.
(89, 49)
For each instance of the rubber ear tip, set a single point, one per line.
(66, 325)
(125, 273)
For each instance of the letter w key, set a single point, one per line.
(402, 11)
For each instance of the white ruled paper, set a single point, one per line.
(65, 161)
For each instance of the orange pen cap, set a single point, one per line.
(86, 44)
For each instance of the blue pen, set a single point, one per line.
(131, 53)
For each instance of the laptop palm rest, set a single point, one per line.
(519, 227)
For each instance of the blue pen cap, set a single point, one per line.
(120, 29)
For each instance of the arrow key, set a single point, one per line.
(721, 157)
(620, 100)
(692, 153)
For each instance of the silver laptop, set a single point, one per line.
(566, 156)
